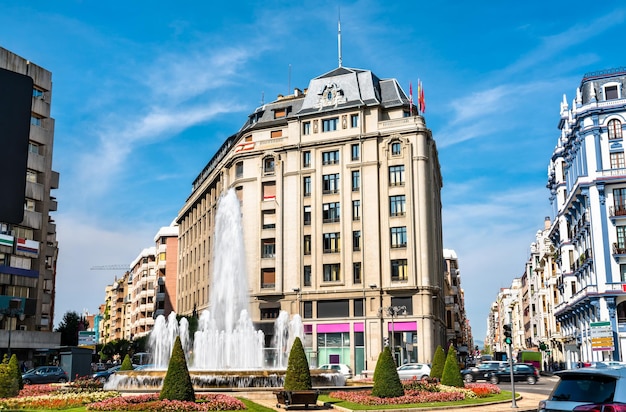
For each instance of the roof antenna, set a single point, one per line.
(339, 34)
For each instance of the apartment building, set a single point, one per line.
(141, 284)
(114, 322)
(339, 187)
(166, 241)
(458, 331)
(28, 250)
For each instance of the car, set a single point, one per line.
(338, 367)
(144, 367)
(44, 374)
(521, 372)
(588, 389)
(414, 370)
(103, 376)
(481, 372)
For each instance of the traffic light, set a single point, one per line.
(507, 334)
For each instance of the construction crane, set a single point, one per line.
(111, 267)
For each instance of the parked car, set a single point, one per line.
(339, 367)
(588, 389)
(44, 374)
(481, 372)
(521, 372)
(414, 370)
(103, 376)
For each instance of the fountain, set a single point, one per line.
(227, 350)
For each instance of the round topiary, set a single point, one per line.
(298, 375)
(127, 365)
(387, 383)
(177, 384)
(439, 360)
(451, 374)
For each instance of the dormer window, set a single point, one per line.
(611, 91)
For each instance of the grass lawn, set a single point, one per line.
(503, 396)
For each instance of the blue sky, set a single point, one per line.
(145, 92)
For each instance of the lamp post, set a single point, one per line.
(392, 311)
(13, 311)
(372, 286)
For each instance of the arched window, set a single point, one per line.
(621, 312)
(615, 129)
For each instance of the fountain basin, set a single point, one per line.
(152, 380)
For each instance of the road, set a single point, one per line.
(544, 386)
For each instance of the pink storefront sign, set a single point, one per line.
(402, 327)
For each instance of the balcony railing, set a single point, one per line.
(619, 210)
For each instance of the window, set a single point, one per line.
(35, 121)
(329, 125)
(355, 151)
(399, 269)
(331, 212)
(306, 159)
(330, 183)
(268, 165)
(615, 129)
(268, 248)
(270, 313)
(354, 120)
(306, 273)
(356, 240)
(331, 242)
(396, 148)
(356, 180)
(356, 210)
(619, 201)
(396, 175)
(397, 205)
(269, 190)
(29, 204)
(306, 128)
(268, 278)
(33, 148)
(356, 272)
(306, 186)
(276, 133)
(31, 176)
(307, 244)
(38, 93)
(269, 219)
(280, 113)
(307, 215)
(617, 160)
(611, 92)
(239, 170)
(332, 273)
(330, 158)
(398, 237)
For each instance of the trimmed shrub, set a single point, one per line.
(298, 375)
(15, 371)
(439, 361)
(387, 383)
(9, 386)
(451, 374)
(177, 384)
(127, 365)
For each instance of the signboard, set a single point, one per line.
(602, 336)
(86, 338)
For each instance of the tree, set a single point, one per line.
(127, 365)
(69, 327)
(298, 375)
(9, 386)
(439, 360)
(387, 383)
(14, 367)
(177, 384)
(451, 374)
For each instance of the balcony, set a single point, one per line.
(616, 287)
(618, 211)
(619, 249)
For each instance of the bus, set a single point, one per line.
(530, 357)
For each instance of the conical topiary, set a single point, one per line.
(387, 383)
(439, 361)
(14, 367)
(298, 375)
(451, 374)
(127, 365)
(177, 384)
(9, 387)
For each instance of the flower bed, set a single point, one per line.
(416, 391)
(204, 402)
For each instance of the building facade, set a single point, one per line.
(28, 251)
(458, 331)
(587, 182)
(339, 188)
(141, 284)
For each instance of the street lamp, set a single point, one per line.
(13, 311)
(392, 311)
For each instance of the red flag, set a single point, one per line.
(411, 99)
(421, 101)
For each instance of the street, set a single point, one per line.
(544, 386)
